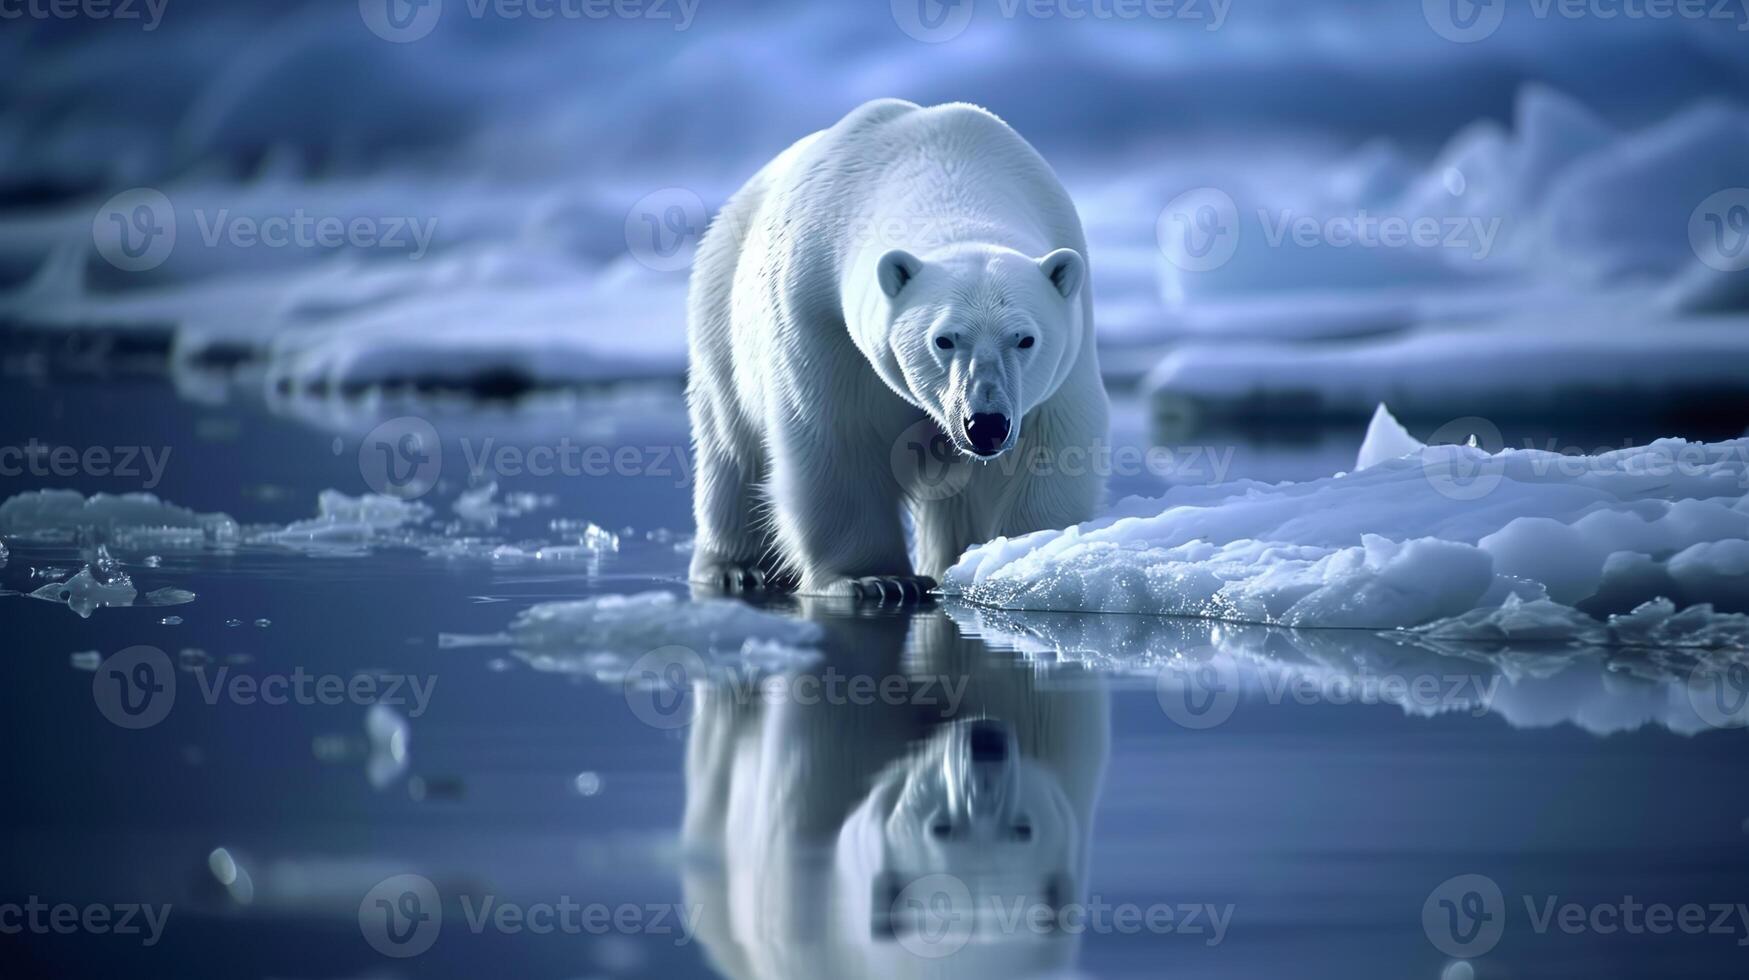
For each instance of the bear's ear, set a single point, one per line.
(1065, 269)
(895, 269)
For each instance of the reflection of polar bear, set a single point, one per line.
(881, 311)
(811, 827)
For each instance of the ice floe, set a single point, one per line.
(137, 519)
(602, 637)
(1438, 533)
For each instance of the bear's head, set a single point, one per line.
(974, 335)
(952, 842)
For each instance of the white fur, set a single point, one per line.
(801, 817)
(816, 299)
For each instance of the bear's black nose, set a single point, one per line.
(987, 431)
(989, 741)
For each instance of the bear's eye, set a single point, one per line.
(944, 343)
(1025, 342)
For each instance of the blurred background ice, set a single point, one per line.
(1294, 209)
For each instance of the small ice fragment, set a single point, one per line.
(388, 734)
(233, 623)
(422, 788)
(3, 551)
(86, 660)
(171, 621)
(498, 665)
(50, 573)
(587, 783)
(83, 593)
(229, 873)
(167, 597)
(153, 561)
(193, 658)
(264, 623)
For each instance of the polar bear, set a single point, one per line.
(889, 836)
(894, 312)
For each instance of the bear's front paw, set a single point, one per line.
(886, 588)
(730, 576)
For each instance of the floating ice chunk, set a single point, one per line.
(480, 506)
(346, 525)
(1432, 535)
(1385, 439)
(167, 596)
(59, 515)
(602, 636)
(86, 660)
(84, 593)
(387, 733)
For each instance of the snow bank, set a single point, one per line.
(1433, 535)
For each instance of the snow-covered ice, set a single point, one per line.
(1435, 534)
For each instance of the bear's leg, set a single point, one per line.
(734, 551)
(944, 529)
(838, 525)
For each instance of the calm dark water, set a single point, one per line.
(1323, 833)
